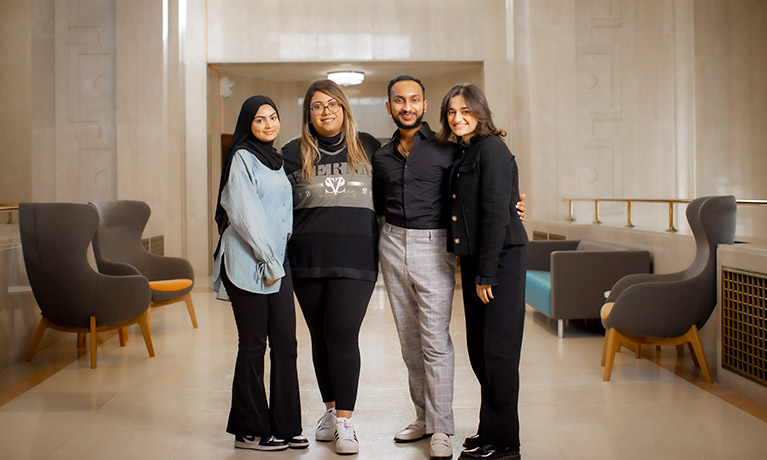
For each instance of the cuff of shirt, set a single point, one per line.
(485, 280)
(273, 270)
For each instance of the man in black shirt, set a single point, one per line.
(410, 179)
(409, 189)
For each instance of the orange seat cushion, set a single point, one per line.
(170, 285)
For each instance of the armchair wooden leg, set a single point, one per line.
(692, 354)
(143, 323)
(93, 342)
(638, 351)
(613, 345)
(123, 334)
(37, 337)
(680, 351)
(697, 348)
(81, 336)
(190, 306)
(604, 346)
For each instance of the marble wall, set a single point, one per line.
(16, 98)
(597, 101)
(608, 98)
(100, 106)
(149, 143)
(650, 99)
(730, 88)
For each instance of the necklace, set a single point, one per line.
(405, 152)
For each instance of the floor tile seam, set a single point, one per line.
(547, 435)
(188, 434)
(81, 426)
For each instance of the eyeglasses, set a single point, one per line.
(318, 109)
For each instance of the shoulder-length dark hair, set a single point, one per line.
(310, 153)
(477, 103)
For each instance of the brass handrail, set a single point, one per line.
(671, 202)
(9, 207)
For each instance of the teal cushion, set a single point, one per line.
(538, 291)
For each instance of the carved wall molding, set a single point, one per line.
(599, 65)
(84, 70)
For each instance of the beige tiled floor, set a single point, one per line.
(174, 406)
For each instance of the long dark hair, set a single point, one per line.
(477, 103)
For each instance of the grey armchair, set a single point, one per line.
(117, 246)
(670, 309)
(72, 296)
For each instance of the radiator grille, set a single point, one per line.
(154, 245)
(547, 236)
(744, 324)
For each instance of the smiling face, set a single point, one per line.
(326, 124)
(406, 104)
(461, 119)
(266, 124)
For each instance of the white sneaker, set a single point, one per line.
(411, 433)
(440, 447)
(326, 426)
(346, 438)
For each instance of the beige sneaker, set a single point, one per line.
(411, 433)
(440, 447)
(326, 426)
(346, 437)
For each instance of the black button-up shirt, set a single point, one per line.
(412, 192)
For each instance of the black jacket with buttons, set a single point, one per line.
(484, 191)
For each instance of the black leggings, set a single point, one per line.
(258, 317)
(334, 309)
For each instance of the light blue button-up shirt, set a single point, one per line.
(259, 203)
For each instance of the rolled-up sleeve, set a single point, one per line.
(247, 217)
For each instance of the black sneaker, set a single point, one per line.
(266, 443)
(490, 452)
(298, 442)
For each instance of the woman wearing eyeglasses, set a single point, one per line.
(332, 252)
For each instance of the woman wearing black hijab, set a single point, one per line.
(254, 214)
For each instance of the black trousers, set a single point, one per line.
(494, 340)
(334, 309)
(262, 317)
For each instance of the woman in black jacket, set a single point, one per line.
(487, 233)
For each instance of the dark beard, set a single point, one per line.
(401, 125)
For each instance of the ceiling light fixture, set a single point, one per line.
(347, 78)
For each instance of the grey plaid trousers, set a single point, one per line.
(419, 275)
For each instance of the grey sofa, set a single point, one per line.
(567, 279)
